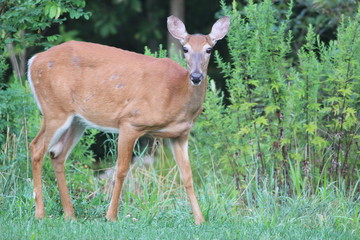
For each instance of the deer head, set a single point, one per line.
(197, 48)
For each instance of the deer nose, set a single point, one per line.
(196, 78)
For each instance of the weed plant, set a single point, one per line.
(294, 120)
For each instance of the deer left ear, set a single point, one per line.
(177, 28)
(219, 29)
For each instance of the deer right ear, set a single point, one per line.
(220, 29)
(177, 28)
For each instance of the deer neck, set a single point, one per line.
(197, 96)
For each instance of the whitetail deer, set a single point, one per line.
(79, 84)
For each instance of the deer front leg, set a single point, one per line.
(126, 142)
(180, 150)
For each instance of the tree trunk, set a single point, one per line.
(177, 9)
(18, 62)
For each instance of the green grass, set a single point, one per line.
(290, 223)
(154, 205)
(177, 228)
(162, 211)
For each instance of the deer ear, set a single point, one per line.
(220, 29)
(177, 28)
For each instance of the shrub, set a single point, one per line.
(293, 120)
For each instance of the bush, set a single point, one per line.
(293, 120)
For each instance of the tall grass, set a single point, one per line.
(156, 206)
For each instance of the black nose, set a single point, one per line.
(196, 78)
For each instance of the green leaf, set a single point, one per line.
(244, 131)
(319, 141)
(53, 11)
(58, 12)
(271, 109)
(261, 121)
(52, 38)
(311, 128)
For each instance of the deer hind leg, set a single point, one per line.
(127, 139)
(180, 151)
(38, 149)
(59, 152)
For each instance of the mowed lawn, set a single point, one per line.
(175, 228)
(268, 218)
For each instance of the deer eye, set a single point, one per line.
(185, 49)
(208, 51)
